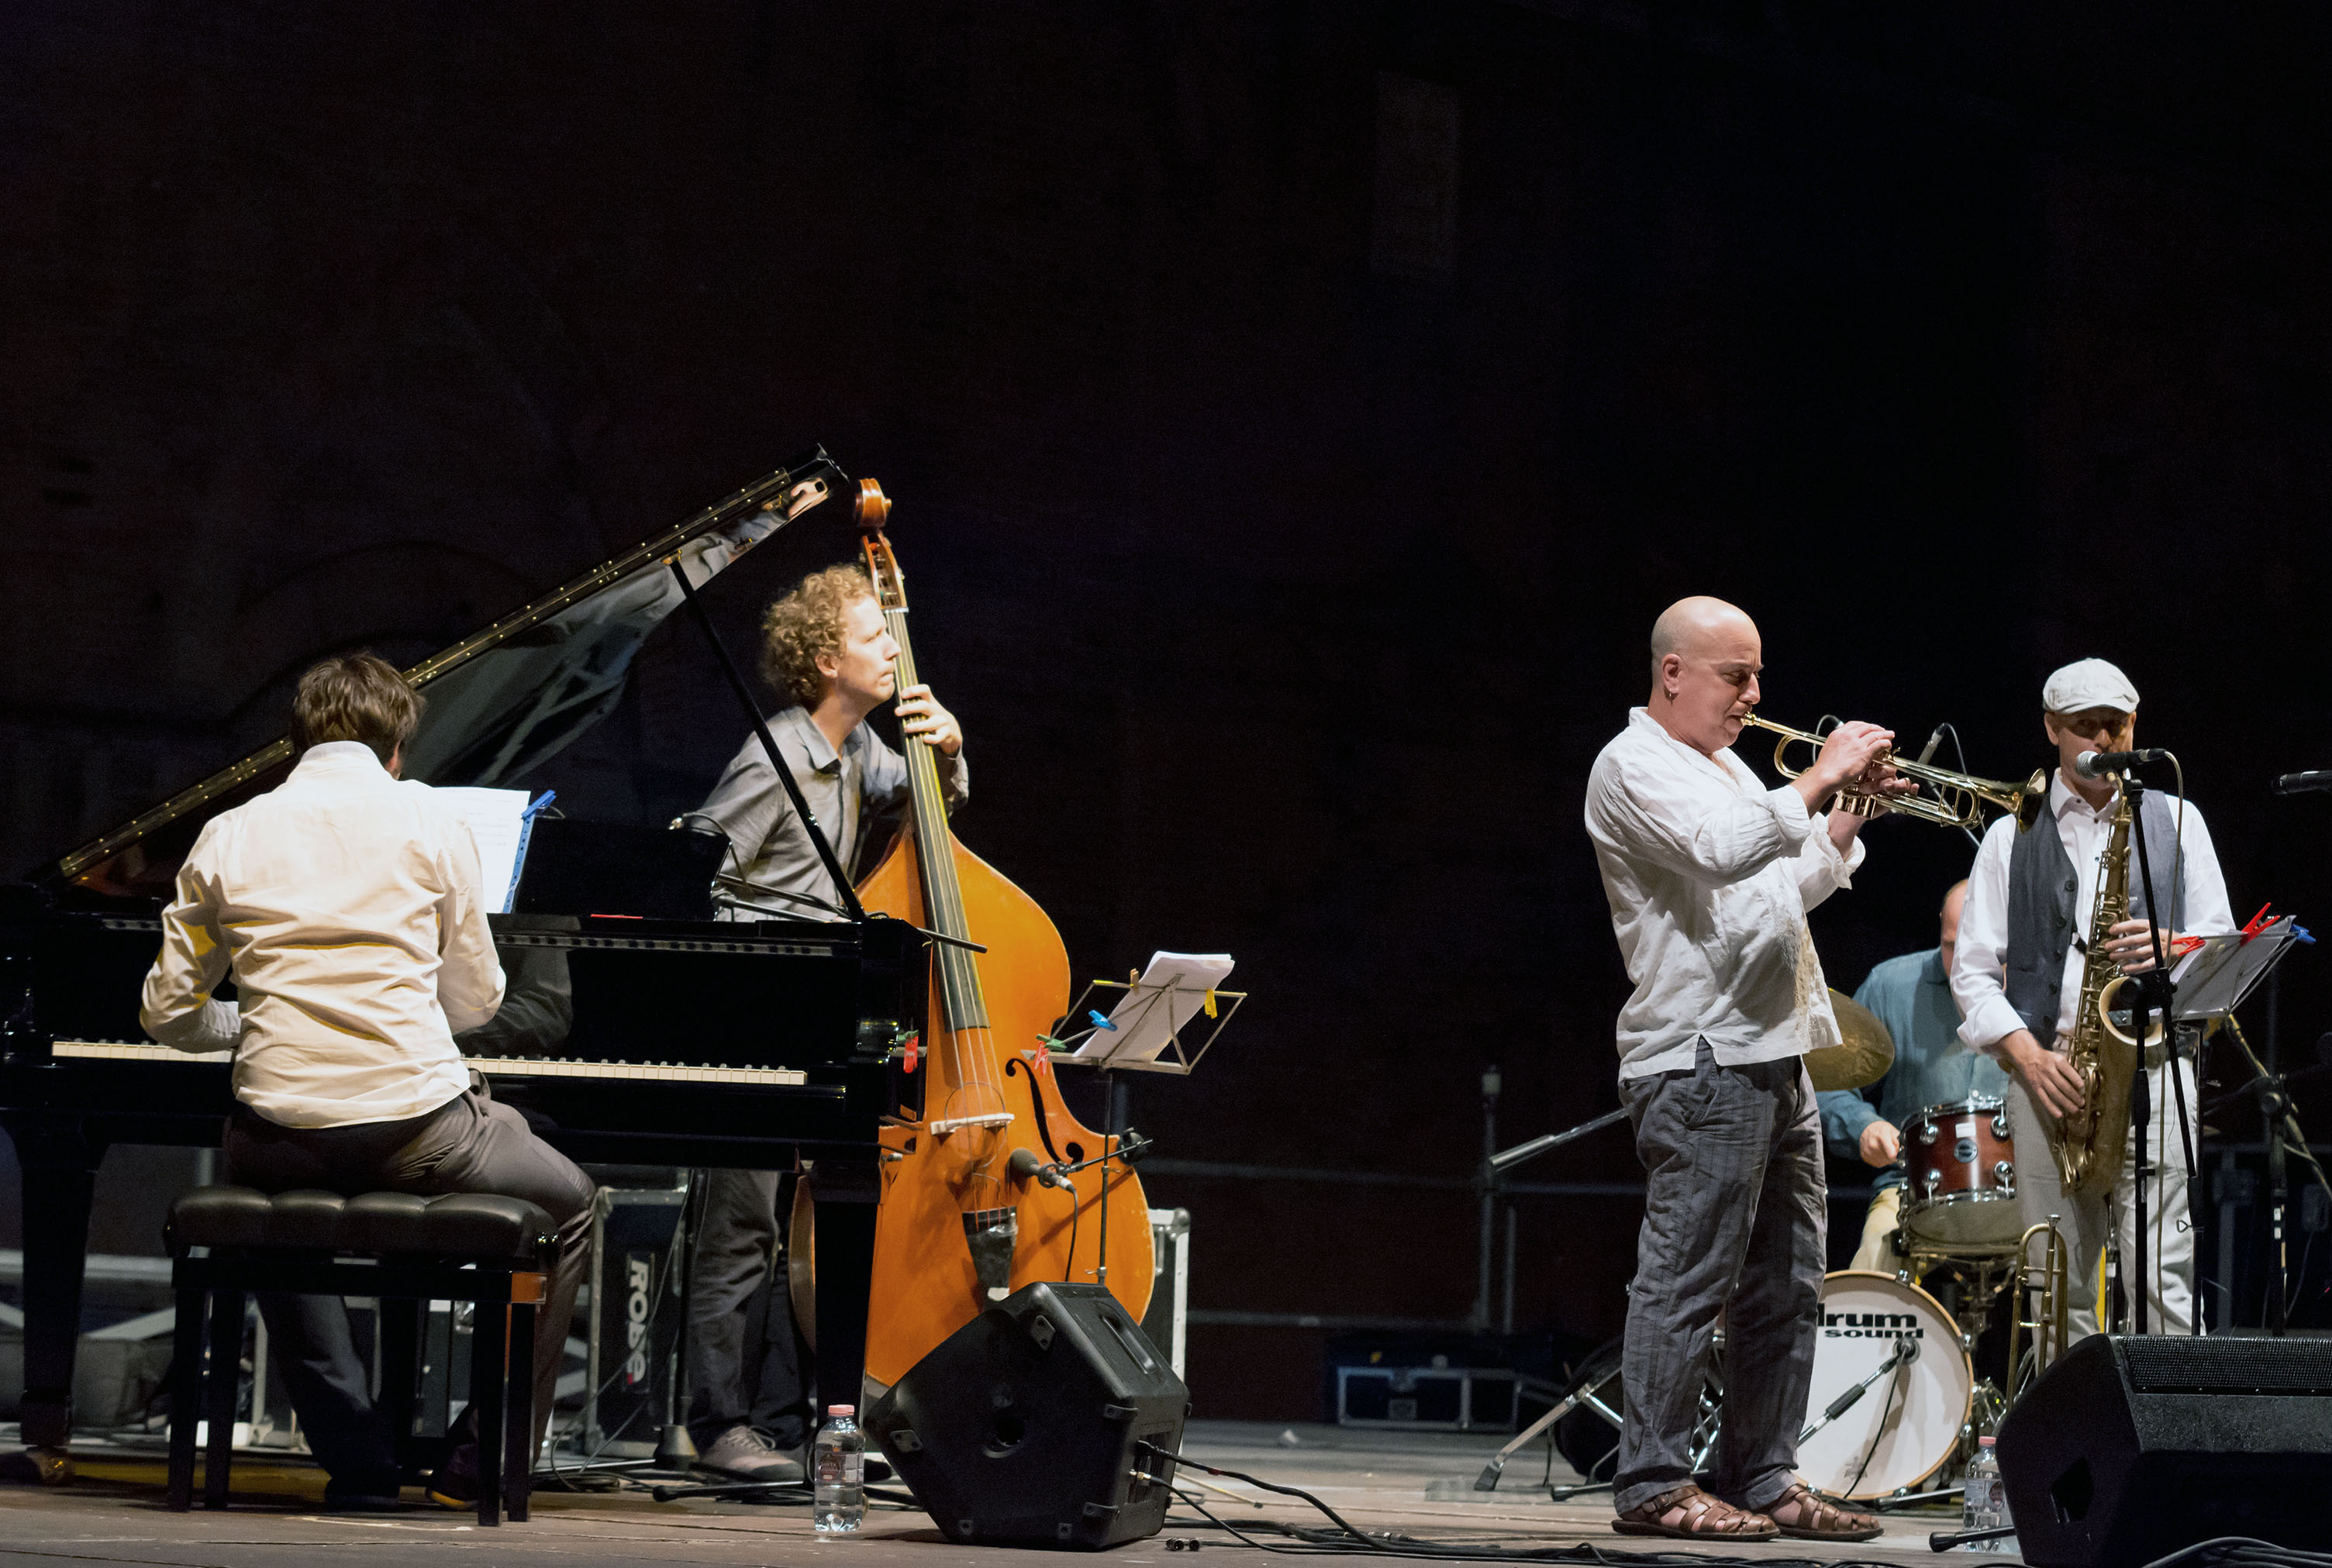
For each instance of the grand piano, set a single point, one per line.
(765, 1044)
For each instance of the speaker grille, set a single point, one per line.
(2167, 1363)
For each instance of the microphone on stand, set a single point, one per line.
(2303, 783)
(2098, 764)
(1927, 753)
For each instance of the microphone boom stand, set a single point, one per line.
(2154, 994)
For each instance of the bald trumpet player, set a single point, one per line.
(1710, 875)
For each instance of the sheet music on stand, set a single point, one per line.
(1142, 1032)
(2214, 979)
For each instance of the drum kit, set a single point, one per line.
(1896, 1404)
(1958, 1214)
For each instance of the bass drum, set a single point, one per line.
(1906, 1424)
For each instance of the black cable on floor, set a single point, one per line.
(1348, 1540)
(2242, 1552)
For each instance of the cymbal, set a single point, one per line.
(1862, 1055)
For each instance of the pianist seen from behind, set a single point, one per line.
(345, 905)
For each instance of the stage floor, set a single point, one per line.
(1417, 1484)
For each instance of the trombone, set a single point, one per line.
(2037, 1305)
(1959, 798)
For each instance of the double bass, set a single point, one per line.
(966, 1215)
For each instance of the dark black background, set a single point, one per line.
(1286, 600)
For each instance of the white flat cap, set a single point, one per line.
(2089, 683)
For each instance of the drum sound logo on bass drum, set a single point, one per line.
(1871, 1325)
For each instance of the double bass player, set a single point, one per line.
(825, 647)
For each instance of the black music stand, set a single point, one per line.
(2218, 992)
(1143, 1010)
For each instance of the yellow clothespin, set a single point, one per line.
(1210, 1002)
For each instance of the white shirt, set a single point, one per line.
(346, 904)
(1980, 968)
(1709, 876)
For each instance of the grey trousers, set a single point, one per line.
(744, 1356)
(1734, 1226)
(469, 1144)
(2087, 1221)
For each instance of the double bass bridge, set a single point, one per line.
(943, 1125)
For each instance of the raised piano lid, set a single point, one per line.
(502, 700)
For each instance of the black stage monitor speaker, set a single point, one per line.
(2129, 1448)
(1024, 1428)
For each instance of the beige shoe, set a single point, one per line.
(748, 1454)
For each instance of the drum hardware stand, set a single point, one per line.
(1587, 1393)
(1980, 1279)
(1137, 1014)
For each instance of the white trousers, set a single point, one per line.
(2085, 1220)
(1877, 1251)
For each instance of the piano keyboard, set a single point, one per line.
(492, 1067)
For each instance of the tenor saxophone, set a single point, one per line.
(2091, 1142)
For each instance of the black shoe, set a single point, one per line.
(364, 1492)
(454, 1483)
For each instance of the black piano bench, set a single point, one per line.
(473, 1247)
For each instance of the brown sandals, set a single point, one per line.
(1689, 1514)
(1820, 1519)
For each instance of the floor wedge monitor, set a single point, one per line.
(2130, 1447)
(1026, 1427)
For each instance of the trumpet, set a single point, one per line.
(1958, 801)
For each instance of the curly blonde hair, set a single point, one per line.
(806, 623)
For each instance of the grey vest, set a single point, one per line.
(2042, 883)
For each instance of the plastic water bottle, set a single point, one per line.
(838, 1473)
(1984, 1505)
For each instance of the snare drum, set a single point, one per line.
(1907, 1422)
(1959, 1165)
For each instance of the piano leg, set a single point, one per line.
(59, 1158)
(845, 1269)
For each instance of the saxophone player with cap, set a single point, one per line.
(2023, 952)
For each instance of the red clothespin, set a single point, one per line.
(2259, 922)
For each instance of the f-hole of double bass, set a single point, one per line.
(1044, 1132)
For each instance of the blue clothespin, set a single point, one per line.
(2299, 933)
(547, 798)
(1100, 1022)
